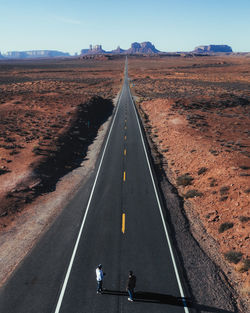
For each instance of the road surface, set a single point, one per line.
(116, 220)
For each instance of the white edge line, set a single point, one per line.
(160, 209)
(60, 299)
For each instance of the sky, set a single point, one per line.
(171, 25)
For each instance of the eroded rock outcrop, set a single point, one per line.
(142, 48)
(213, 49)
(35, 54)
(136, 48)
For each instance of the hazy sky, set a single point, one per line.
(171, 25)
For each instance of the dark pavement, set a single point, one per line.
(123, 229)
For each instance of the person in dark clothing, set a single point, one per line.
(131, 285)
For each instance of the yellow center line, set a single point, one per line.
(125, 151)
(125, 137)
(124, 176)
(123, 223)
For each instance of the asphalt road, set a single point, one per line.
(116, 220)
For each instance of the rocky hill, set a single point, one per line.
(213, 49)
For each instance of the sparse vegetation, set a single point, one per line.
(244, 219)
(4, 170)
(202, 170)
(165, 150)
(244, 174)
(192, 194)
(225, 226)
(244, 167)
(224, 198)
(214, 152)
(36, 150)
(233, 256)
(213, 182)
(184, 180)
(224, 190)
(246, 265)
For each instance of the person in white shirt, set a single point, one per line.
(99, 278)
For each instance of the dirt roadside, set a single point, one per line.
(196, 114)
(198, 253)
(30, 224)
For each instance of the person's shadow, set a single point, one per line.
(152, 297)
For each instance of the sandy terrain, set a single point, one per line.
(196, 112)
(51, 114)
(46, 106)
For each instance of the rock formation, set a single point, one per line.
(142, 48)
(97, 49)
(213, 49)
(118, 50)
(136, 48)
(35, 54)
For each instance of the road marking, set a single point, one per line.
(125, 127)
(162, 217)
(65, 282)
(125, 137)
(125, 152)
(123, 223)
(124, 176)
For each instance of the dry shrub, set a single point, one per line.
(244, 219)
(225, 226)
(202, 170)
(184, 180)
(233, 256)
(193, 193)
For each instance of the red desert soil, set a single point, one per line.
(196, 111)
(50, 113)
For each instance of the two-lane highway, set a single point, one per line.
(122, 227)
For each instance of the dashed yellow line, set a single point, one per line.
(123, 223)
(125, 137)
(125, 152)
(124, 176)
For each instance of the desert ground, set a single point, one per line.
(45, 108)
(196, 114)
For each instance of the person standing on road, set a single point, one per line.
(99, 278)
(131, 285)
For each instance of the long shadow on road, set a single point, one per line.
(152, 297)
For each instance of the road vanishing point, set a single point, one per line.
(115, 219)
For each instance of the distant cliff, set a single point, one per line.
(35, 54)
(213, 49)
